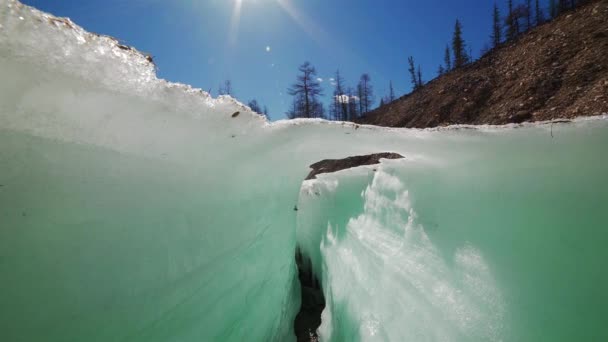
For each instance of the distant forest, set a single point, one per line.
(350, 102)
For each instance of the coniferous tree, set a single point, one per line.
(360, 99)
(563, 5)
(412, 71)
(334, 108)
(528, 14)
(255, 107)
(520, 14)
(539, 13)
(318, 110)
(496, 28)
(420, 84)
(553, 12)
(266, 113)
(459, 47)
(306, 92)
(339, 106)
(367, 93)
(484, 49)
(296, 108)
(440, 70)
(382, 102)
(226, 88)
(391, 92)
(447, 59)
(510, 23)
(353, 113)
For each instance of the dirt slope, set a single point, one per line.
(557, 70)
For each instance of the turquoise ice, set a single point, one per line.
(134, 209)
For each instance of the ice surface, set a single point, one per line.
(134, 209)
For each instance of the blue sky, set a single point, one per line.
(200, 42)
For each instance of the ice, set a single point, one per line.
(405, 290)
(136, 209)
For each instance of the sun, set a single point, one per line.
(306, 23)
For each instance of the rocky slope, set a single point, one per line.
(334, 165)
(556, 70)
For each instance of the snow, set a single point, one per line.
(132, 208)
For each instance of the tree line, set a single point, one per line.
(349, 103)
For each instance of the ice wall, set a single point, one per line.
(139, 210)
(504, 244)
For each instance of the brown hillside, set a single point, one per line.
(557, 70)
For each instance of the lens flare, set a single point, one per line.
(235, 21)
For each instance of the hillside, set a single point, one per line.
(557, 70)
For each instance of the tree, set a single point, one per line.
(334, 108)
(564, 5)
(539, 13)
(496, 28)
(339, 106)
(528, 14)
(296, 108)
(484, 49)
(520, 17)
(382, 102)
(515, 20)
(447, 59)
(553, 11)
(510, 23)
(412, 71)
(360, 97)
(306, 92)
(226, 88)
(420, 84)
(440, 70)
(318, 110)
(366, 96)
(391, 92)
(266, 113)
(353, 113)
(459, 47)
(253, 104)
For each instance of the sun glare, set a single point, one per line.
(303, 21)
(235, 21)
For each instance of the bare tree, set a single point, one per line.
(367, 93)
(306, 92)
(353, 101)
(339, 106)
(226, 88)
(360, 97)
